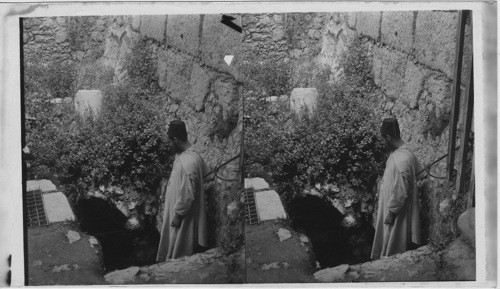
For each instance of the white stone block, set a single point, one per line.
(42, 185)
(88, 101)
(57, 207)
(303, 98)
(269, 206)
(256, 183)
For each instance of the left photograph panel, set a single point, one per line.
(132, 131)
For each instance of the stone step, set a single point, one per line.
(256, 183)
(269, 206)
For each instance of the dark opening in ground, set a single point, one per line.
(333, 244)
(121, 248)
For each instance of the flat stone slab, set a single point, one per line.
(301, 98)
(269, 206)
(88, 101)
(256, 183)
(57, 207)
(42, 185)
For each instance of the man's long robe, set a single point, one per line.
(398, 194)
(184, 195)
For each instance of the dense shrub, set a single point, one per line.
(338, 144)
(125, 145)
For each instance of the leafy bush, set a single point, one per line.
(125, 145)
(338, 144)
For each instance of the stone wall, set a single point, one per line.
(198, 87)
(412, 57)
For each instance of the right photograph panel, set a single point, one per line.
(359, 146)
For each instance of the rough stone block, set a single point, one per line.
(256, 184)
(174, 73)
(435, 34)
(269, 206)
(458, 262)
(413, 84)
(200, 87)
(153, 26)
(439, 88)
(368, 24)
(351, 20)
(332, 274)
(392, 70)
(42, 185)
(57, 207)
(136, 22)
(397, 29)
(218, 40)
(122, 276)
(303, 98)
(183, 32)
(88, 101)
(227, 94)
(467, 225)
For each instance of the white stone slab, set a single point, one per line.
(88, 101)
(269, 206)
(57, 207)
(42, 185)
(256, 183)
(303, 97)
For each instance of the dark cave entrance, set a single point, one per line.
(332, 243)
(121, 248)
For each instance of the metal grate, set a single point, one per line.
(251, 216)
(35, 212)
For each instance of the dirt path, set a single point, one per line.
(52, 260)
(269, 260)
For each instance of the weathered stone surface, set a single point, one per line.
(459, 262)
(439, 87)
(200, 88)
(183, 32)
(416, 265)
(301, 98)
(283, 234)
(219, 40)
(368, 24)
(122, 276)
(397, 29)
(272, 261)
(435, 34)
(154, 26)
(413, 85)
(467, 225)
(88, 102)
(227, 94)
(57, 207)
(42, 185)
(392, 70)
(256, 183)
(331, 274)
(209, 267)
(73, 236)
(136, 22)
(52, 260)
(269, 206)
(174, 73)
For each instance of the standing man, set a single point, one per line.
(397, 228)
(184, 229)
